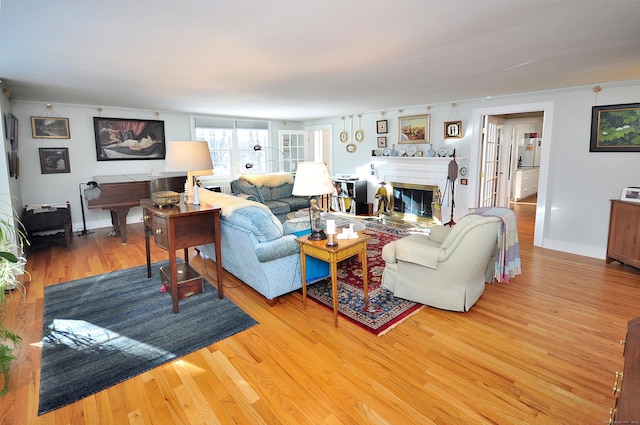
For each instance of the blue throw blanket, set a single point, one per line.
(508, 251)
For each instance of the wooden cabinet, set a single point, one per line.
(526, 182)
(627, 383)
(351, 196)
(624, 233)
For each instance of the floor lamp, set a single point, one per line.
(89, 194)
(280, 161)
(313, 179)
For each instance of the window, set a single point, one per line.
(231, 144)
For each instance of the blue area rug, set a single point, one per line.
(105, 329)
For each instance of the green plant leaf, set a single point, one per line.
(9, 256)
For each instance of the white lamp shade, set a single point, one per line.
(312, 178)
(188, 156)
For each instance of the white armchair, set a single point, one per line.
(446, 269)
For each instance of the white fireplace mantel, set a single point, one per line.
(417, 170)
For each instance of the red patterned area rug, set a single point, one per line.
(385, 311)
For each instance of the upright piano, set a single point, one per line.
(120, 193)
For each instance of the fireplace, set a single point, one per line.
(412, 202)
(421, 174)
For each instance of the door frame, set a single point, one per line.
(476, 152)
(327, 147)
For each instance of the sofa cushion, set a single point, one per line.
(277, 207)
(265, 191)
(295, 202)
(283, 191)
(242, 186)
(263, 224)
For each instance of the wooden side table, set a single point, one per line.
(181, 227)
(346, 248)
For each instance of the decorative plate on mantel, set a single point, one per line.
(410, 150)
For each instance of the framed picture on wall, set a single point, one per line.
(11, 129)
(413, 129)
(50, 128)
(615, 128)
(128, 139)
(453, 129)
(54, 160)
(381, 126)
(382, 141)
(13, 163)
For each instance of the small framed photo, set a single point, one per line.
(414, 129)
(54, 160)
(382, 141)
(631, 194)
(453, 129)
(50, 128)
(382, 126)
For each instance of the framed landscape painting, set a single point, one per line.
(50, 128)
(120, 139)
(615, 128)
(413, 129)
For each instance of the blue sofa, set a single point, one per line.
(272, 190)
(255, 248)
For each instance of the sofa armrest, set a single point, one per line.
(247, 197)
(418, 249)
(277, 248)
(426, 256)
(389, 252)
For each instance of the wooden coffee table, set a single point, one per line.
(346, 248)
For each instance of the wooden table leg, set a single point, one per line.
(174, 280)
(303, 269)
(218, 245)
(147, 248)
(334, 291)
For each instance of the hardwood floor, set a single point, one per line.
(541, 349)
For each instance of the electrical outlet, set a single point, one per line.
(463, 182)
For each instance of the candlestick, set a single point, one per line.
(331, 227)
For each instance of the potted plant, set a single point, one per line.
(11, 265)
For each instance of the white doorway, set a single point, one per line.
(320, 144)
(477, 167)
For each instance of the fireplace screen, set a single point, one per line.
(412, 201)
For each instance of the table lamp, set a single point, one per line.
(194, 158)
(313, 179)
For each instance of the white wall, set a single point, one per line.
(38, 188)
(580, 184)
(10, 198)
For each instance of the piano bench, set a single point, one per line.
(44, 218)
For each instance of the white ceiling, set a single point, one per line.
(297, 59)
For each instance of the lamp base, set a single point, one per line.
(317, 235)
